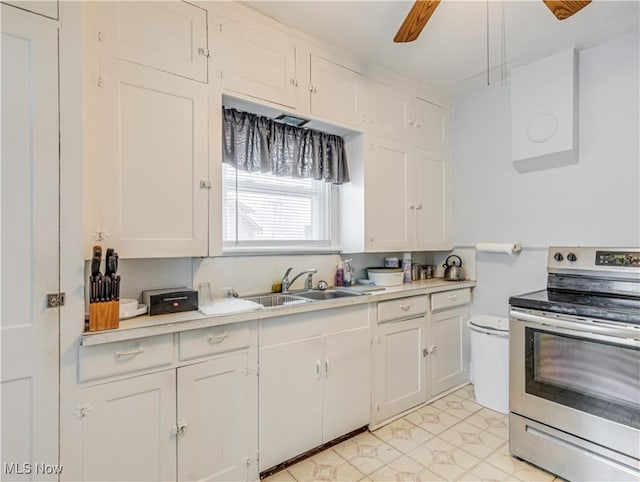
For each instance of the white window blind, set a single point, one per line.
(266, 211)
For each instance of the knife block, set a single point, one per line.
(104, 315)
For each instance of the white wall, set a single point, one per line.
(595, 202)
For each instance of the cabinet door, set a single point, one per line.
(257, 62)
(216, 400)
(431, 179)
(449, 335)
(391, 113)
(30, 234)
(147, 161)
(290, 400)
(128, 429)
(335, 92)
(400, 365)
(347, 384)
(389, 219)
(168, 36)
(428, 123)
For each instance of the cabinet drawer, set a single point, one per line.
(402, 308)
(449, 299)
(111, 359)
(217, 339)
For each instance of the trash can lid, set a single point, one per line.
(490, 322)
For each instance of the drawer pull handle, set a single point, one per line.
(215, 339)
(453, 297)
(405, 306)
(122, 354)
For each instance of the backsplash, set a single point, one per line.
(250, 275)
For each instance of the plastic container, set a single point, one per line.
(386, 276)
(490, 361)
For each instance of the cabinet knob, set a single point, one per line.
(410, 123)
(419, 206)
(405, 306)
(412, 206)
(425, 352)
(433, 349)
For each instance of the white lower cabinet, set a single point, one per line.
(314, 380)
(399, 357)
(128, 429)
(449, 352)
(217, 406)
(195, 421)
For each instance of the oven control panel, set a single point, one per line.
(618, 258)
(601, 261)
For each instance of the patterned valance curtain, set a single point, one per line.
(255, 143)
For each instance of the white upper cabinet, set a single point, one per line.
(147, 163)
(427, 123)
(336, 92)
(391, 113)
(387, 183)
(168, 36)
(432, 192)
(256, 61)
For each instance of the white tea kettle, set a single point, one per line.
(452, 271)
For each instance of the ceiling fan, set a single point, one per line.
(422, 10)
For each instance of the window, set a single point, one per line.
(263, 211)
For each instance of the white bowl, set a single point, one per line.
(127, 306)
(386, 277)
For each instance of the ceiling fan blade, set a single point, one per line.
(563, 10)
(416, 19)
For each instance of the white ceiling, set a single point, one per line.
(450, 54)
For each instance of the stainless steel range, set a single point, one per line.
(574, 352)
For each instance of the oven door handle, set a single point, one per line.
(624, 335)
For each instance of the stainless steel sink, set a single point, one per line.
(327, 294)
(277, 300)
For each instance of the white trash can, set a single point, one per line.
(490, 361)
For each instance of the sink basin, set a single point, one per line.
(327, 294)
(276, 300)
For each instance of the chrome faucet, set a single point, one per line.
(308, 283)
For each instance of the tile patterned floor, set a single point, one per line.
(453, 438)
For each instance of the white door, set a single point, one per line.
(146, 163)
(400, 364)
(168, 36)
(30, 240)
(215, 402)
(129, 429)
(448, 334)
(335, 92)
(431, 178)
(347, 382)
(428, 123)
(391, 113)
(389, 215)
(257, 62)
(290, 394)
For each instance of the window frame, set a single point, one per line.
(332, 245)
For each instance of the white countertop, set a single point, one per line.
(143, 326)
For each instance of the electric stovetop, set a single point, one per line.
(613, 308)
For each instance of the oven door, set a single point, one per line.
(579, 376)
